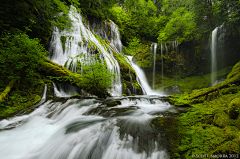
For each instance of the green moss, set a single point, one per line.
(76, 96)
(234, 108)
(206, 128)
(235, 71)
(19, 105)
(63, 40)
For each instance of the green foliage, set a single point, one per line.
(133, 46)
(20, 56)
(99, 9)
(23, 96)
(95, 74)
(181, 27)
(35, 17)
(63, 40)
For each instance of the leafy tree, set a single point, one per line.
(97, 8)
(96, 76)
(34, 17)
(181, 27)
(133, 46)
(20, 57)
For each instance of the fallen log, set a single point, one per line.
(217, 88)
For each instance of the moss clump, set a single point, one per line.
(234, 108)
(76, 96)
(63, 40)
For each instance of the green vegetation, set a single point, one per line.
(211, 125)
(191, 83)
(63, 40)
(96, 76)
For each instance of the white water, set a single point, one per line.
(216, 41)
(213, 56)
(77, 42)
(75, 129)
(154, 63)
(162, 62)
(143, 80)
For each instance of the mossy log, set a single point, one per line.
(232, 78)
(213, 89)
(8, 89)
(50, 68)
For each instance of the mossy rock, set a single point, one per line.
(234, 108)
(180, 100)
(76, 96)
(220, 118)
(235, 71)
(230, 90)
(112, 104)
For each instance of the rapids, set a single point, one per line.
(63, 128)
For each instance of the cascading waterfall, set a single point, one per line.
(154, 63)
(89, 129)
(66, 44)
(217, 39)
(115, 38)
(142, 79)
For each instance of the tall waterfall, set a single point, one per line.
(70, 43)
(162, 63)
(217, 39)
(154, 63)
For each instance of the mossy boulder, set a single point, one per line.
(234, 108)
(235, 71)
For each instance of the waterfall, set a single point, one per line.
(213, 56)
(80, 40)
(154, 63)
(166, 48)
(142, 79)
(217, 40)
(162, 62)
(115, 37)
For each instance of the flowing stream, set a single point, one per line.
(89, 129)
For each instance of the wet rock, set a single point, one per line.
(172, 90)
